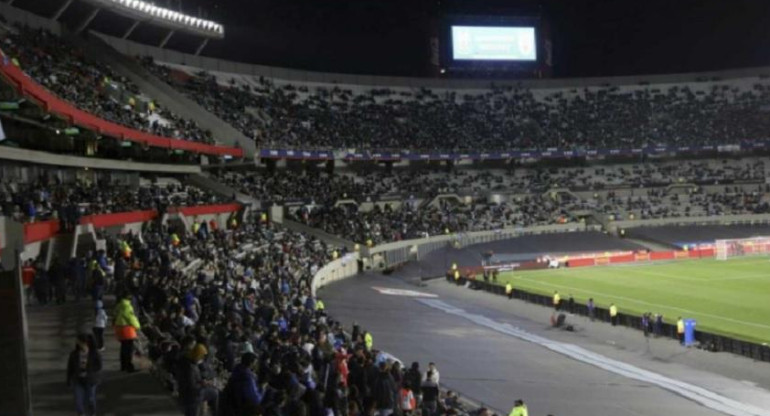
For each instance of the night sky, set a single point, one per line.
(390, 37)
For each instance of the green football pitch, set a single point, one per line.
(726, 297)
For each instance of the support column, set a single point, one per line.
(131, 29)
(165, 40)
(88, 20)
(201, 46)
(13, 323)
(61, 10)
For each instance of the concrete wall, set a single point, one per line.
(45, 158)
(337, 270)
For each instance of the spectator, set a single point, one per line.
(430, 393)
(242, 394)
(126, 326)
(83, 372)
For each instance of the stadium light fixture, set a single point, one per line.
(160, 15)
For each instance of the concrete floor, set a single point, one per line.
(52, 332)
(495, 368)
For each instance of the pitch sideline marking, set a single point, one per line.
(640, 302)
(692, 392)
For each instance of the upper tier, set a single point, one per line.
(89, 94)
(511, 121)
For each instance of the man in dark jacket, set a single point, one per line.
(413, 378)
(192, 389)
(242, 394)
(384, 391)
(430, 395)
(83, 369)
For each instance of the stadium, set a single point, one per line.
(385, 208)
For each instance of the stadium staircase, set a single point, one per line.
(96, 49)
(204, 181)
(329, 239)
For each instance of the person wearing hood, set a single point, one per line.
(242, 393)
(83, 369)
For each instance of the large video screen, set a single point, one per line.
(487, 43)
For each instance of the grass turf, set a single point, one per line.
(726, 297)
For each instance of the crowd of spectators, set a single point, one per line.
(231, 326)
(47, 199)
(93, 86)
(528, 196)
(320, 187)
(499, 118)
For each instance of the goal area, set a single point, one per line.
(742, 247)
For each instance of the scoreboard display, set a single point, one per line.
(482, 46)
(492, 43)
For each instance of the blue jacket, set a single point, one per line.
(243, 390)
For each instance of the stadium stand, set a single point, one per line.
(500, 118)
(379, 207)
(94, 87)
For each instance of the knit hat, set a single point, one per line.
(198, 352)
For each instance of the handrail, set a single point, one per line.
(53, 104)
(701, 220)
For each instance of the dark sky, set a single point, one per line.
(389, 37)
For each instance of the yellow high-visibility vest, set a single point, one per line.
(519, 411)
(613, 310)
(368, 341)
(680, 327)
(508, 289)
(556, 299)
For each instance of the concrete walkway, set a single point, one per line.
(52, 332)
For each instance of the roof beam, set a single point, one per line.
(165, 40)
(61, 10)
(87, 21)
(131, 29)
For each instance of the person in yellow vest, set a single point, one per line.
(368, 340)
(509, 290)
(196, 227)
(151, 106)
(126, 325)
(175, 239)
(457, 276)
(613, 314)
(369, 243)
(319, 305)
(263, 218)
(335, 255)
(680, 330)
(132, 102)
(233, 223)
(556, 300)
(519, 409)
